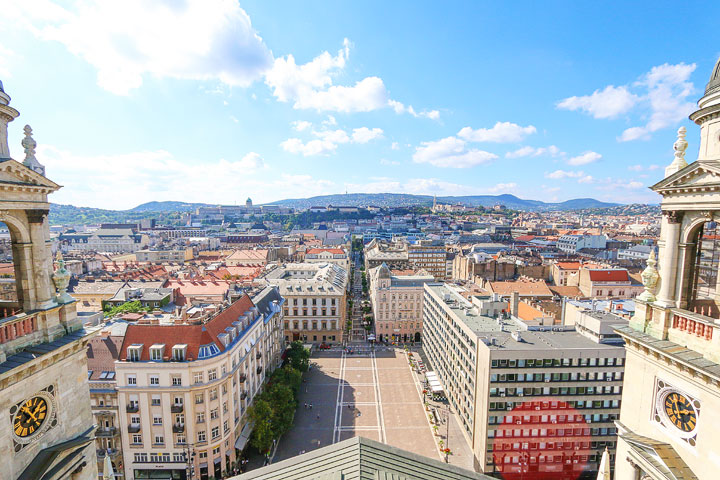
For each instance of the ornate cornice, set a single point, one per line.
(673, 216)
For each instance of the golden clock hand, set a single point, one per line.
(27, 410)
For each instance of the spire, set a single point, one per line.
(29, 144)
(604, 469)
(679, 146)
(7, 115)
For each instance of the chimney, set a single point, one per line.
(514, 303)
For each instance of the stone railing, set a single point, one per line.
(15, 326)
(693, 324)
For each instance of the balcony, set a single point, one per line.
(243, 395)
(132, 408)
(178, 428)
(177, 408)
(106, 432)
(112, 452)
(133, 428)
(695, 331)
(258, 356)
(258, 370)
(242, 378)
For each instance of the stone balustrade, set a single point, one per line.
(17, 326)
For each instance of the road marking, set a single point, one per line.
(419, 392)
(339, 399)
(378, 397)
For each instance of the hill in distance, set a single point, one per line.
(404, 199)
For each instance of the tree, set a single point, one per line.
(299, 356)
(282, 402)
(262, 437)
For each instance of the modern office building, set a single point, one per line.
(186, 386)
(430, 256)
(530, 398)
(669, 426)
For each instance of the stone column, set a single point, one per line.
(42, 265)
(671, 223)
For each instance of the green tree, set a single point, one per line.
(282, 402)
(262, 437)
(299, 356)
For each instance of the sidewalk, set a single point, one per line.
(462, 455)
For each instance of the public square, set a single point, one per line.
(374, 394)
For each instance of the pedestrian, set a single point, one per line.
(318, 416)
(311, 406)
(305, 405)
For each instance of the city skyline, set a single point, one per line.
(179, 102)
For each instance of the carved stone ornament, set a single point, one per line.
(36, 216)
(61, 279)
(673, 216)
(650, 277)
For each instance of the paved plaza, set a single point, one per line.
(373, 394)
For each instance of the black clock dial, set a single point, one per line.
(680, 412)
(30, 416)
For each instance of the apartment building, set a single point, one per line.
(607, 282)
(338, 256)
(178, 255)
(529, 398)
(397, 304)
(189, 384)
(575, 243)
(316, 296)
(430, 256)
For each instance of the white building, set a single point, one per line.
(575, 243)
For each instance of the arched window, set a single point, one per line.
(702, 293)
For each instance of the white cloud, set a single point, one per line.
(7, 57)
(668, 89)
(426, 186)
(128, 179)
(310, 86)
(328, 140)
(550, 151)
(586, 179)
(385, 161)
(501, 132)
(585, 158)
(560, 174)
(395, 146)
(660, 99)
(608, 103)
(502, 188)
(313, 147)
(126, 41)
(634, 185)
(300, 125)
(641, 168)
(364, 134)
(450, 152)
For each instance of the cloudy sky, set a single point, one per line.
(214, 100)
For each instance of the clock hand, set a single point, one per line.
(27, 410)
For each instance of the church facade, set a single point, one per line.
(46, 424)
(669, 425)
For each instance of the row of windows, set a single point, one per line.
(315, 324)
(558, 362)
(552, 432)
(314, 301)
(556, 377)
(555, 391)
(159, 458)
(544, 446)
(296, 312)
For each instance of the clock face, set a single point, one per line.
(30, 416)
(679, 411)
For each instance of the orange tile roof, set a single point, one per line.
(334, 251)
(532, 288)
(193, 336)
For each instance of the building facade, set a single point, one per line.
(575, 243)
(316, 300)
(669, 420)
(186, 387)
(47, 429)
(530, 399)
(397, 304)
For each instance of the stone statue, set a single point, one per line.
(61, 279)
(650, 277)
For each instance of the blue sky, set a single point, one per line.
(214, 101)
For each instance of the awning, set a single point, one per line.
(244, 436)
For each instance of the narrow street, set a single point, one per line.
(358, 334)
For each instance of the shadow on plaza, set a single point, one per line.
(314, 424)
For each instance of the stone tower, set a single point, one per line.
(46, 425)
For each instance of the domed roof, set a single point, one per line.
(714, 83)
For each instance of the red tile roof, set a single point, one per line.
(194, 336)
(334, 251)
(609, 276)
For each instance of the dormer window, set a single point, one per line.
(134, 351)
(156, 352)
(224, 338)
(208, 350)
(179, 353)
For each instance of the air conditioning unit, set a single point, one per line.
(519, 422)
